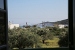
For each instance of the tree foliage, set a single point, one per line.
(22, 38)
(64, 41)
(31, 37)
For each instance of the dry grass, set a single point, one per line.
(51, 43)
(48, 44)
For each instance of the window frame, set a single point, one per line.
(5, 46)
(70, 13)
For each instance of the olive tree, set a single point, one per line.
(45, 34)
(22, 38)
(63, 42)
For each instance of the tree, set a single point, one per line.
(22, 38)
(28, 26)
(41, 32)
(64, 41)
(34, 25)
(45, 34)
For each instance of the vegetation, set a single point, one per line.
(64, 41)
(34, 37)
(62, 21)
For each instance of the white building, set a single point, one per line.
(11, 26)
(62, 25)
(45, 24)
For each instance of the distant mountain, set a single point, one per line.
(62, 21)
(51, 24)
(65, 21)
(44, 24)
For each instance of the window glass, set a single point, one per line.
(1, 4)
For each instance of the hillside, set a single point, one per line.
(62, 21)
(51, 24)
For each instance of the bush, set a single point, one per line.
(63, 42)
(22, 38)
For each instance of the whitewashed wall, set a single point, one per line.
(11, 26)
(61, 26)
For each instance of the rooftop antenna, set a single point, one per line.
(26, 24)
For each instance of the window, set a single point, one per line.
(3, 30)
(1, 4)
(40, 13)
(3, 25)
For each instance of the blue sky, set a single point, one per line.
(36, 11)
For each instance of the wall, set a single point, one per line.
(13, 26)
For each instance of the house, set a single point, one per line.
(61, 26)
(45, 24)
(11, 26)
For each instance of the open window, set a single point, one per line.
(29, 38)
(46, 19)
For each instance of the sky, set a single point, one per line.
(36, 11)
